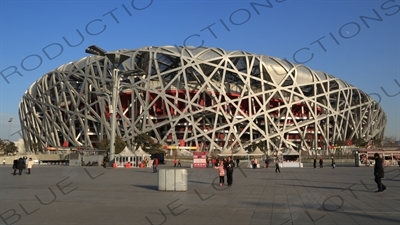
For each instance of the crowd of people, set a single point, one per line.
(225, 167)
(21, 164)
(321, 163)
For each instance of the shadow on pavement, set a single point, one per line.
(149, 187)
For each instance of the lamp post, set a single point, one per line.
(299, 148)
(9, 127)
(117, 59)
(107, 95)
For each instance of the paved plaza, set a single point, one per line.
(95, 196)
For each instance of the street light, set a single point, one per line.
(117, 59)
(9, 128)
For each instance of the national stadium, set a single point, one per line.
(203, 98)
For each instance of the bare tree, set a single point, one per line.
(389, 141)
(8, 147)
(119, 145)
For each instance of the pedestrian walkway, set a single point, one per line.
(94, 195)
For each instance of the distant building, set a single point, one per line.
(206, 98)
(20, 144)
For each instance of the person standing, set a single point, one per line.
(29, 165)
(267, 162)
(255, 163)
(321, 163)
(179, 163)
(277, 165)
(157, 162)
(237, 162)
(315, 162)
(229, 165)
(21, 165)
(221, 172)
(175, 162)
(379, 173)
(333, 163)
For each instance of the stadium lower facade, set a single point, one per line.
(204, 98)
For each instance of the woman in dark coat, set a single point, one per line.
(15, 166)
(379, 173)
(21, 165)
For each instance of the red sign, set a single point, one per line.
(65, 144)
(199, 159)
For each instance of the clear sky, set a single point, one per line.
(357, 41)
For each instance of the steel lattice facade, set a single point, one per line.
(208, 97)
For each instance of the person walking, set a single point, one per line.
(21, 165)
(315, 162)
(15, 166)
(221, 172)
(277, 165)
(321, 163)
(179, 163)
(104, 163)
(29, 165)
(237, 162)
(333, 163)
(379, 173)
(267, 162)
(155, 165)
(229, 165)
(175, 162)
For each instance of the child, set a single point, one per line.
(221, 173)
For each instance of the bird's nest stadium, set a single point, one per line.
(207, 98)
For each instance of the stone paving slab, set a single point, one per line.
(94, 195)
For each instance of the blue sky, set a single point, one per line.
(357, 41)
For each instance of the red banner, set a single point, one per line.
(199, 159)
